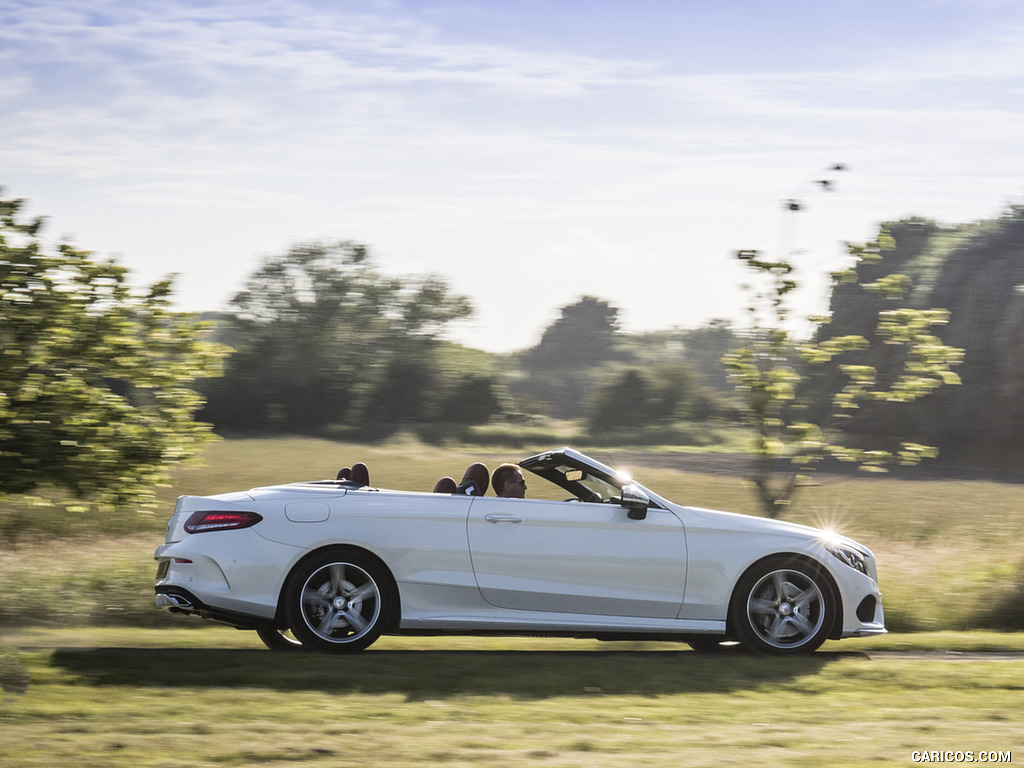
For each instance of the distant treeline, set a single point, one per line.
(326, 344)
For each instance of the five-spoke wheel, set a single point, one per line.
(783, 606)
(337, 601)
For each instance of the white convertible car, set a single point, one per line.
(331, 565)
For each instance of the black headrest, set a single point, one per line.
(445, 485)
(476, 480)
(360, 474)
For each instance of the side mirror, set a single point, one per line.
(635, 501)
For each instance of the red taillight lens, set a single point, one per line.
(220, 520)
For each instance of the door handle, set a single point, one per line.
(502, 519)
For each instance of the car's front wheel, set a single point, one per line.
(783, 605)
(337, 601)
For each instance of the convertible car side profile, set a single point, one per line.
(331, 565)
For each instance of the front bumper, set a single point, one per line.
(863, 615)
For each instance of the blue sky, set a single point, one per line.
(531, 152)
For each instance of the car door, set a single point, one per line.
(572, 557)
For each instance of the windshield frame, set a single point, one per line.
(559, 467)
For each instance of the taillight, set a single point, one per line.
(220, 520)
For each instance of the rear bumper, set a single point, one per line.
(178, 600)
(232, 576)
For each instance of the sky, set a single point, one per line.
(529, 152)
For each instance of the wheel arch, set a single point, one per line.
(836, 630)
(391, 623)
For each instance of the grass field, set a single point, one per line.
(212, 697)
(93, 675)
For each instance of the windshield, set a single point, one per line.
(585, 486)
(586, 479)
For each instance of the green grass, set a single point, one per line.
(93, 675)
(211, 697)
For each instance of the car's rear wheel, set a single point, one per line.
(279, 639)
(337, 601)
(783, 605)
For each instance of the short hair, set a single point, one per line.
(502, 475)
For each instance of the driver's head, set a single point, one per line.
(508, 481)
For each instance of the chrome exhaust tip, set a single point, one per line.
(164, 600)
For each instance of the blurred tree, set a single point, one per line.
(772, 369)
(324, 338)
(94, 378)
(975, 271)
(624, 400)
(704, 348)
(677, 393)
(473, 400)
(561, 370)
(636, 398)
(584, 334)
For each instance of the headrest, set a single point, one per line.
(445, 485)
(475, 481)
(344, 473)
(360, 474)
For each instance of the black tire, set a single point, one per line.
(338, 601)
(279, 639)
(783, 605)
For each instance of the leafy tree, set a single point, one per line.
(562, 369)
(772, 370)
(975, 271)
(704, 348)
(622, 401)
(95, 394)
(677, 393)
(636, 398)
(585, 334)
(473, 400)
(324, 338)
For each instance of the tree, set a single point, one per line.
(95, 378)
(704, 348)
(584, 335)
(975, 271)
(622, 401)
(634, 398)
(562, 369)
(324, 338)
(474, 399)
(772, 373)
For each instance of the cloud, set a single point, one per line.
(113, 88)
(178, 86)
(303, 119)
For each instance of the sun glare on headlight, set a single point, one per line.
(848, 555)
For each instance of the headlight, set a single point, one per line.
(852, 557)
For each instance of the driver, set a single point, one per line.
(508, 481)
